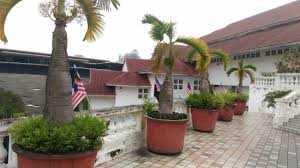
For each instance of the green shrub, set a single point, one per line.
(172, 116)
(10, 104)
(241, 97)
(271, 96)
(228, 98)
(149, 106)
(36, 134)
(205, 101)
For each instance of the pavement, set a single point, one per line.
(247, 141)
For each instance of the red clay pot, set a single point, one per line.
(165, 136)
(204, 120)
(239, 108)
(226, 114)
(35, 160)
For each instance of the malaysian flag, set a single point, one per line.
(78, 92)
(189, 89)
(156, 88)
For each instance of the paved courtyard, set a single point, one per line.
(247, 141)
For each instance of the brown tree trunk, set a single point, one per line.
(166, 95)
(58, 106)
(205, 83)
(239, 90)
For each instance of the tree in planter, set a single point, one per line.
(58, 106)
(164, 34)
(202, 63)
(241, 72)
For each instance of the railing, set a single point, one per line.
(10, 155)
(286, 108)
(280, 81)
(265, 81)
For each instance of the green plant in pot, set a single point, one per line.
(240, 103)
(226, 113)
(58, 123)
(204, 109)
(164, 134)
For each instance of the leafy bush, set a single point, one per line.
(271, 96)
(228, 98)
(10, 104)
(241, 97)
(149, 106)
(205, 101)
(172, 116)
(36, 134)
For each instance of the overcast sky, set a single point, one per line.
(27, 30)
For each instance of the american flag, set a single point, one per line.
(78, 92)
(189, 89)
(157, 84)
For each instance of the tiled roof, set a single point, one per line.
(144, 66)
(276, 36)
(283, 13)
(98, 79)
(129, 79)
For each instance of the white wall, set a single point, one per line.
(124, 68)
(126, 96)
(256, 96)
(101, 102)
(217, 75)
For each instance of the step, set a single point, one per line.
(292, 125)
(289, 129)
(294, 120)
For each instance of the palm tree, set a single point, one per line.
(241, 72)
(202, 63)
(164, 34)
(58, 107)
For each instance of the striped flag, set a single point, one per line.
(157, 84)
(78, 92)
(189, 89)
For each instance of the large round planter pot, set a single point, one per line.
(204, 120)
(165, 136)
(35, 160)
(226, 113)
(239, 108)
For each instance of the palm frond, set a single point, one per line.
(223, 55)
(170, 29)
(240, 74)
(105, 4)
(250, 75)
(159, 56)
(200, 46)
(249, 66)
(158, 27)
(157, 32)
(229, 72)
(5, 7)
(94, 19)
(151, 19)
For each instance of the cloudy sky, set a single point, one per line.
(27, 30)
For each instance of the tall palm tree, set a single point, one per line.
(58, 106)
(164, 34)
(202, 63)
(241, 72)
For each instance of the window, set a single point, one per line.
(234, 57)
(268, 53)
(257, 54)
(279, 51)
(273, 52)
(239, 57)
(197, 84)
(243, 56)
(252, 55)
(178, 84)
(298, 49)
(143, 93)
(286, 50)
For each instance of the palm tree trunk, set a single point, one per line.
(166, 95)
(205, 83)
(58, 105)
(239, 90)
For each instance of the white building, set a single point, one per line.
(134, 83)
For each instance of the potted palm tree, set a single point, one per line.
(204, 110)
(58, 139)
(165, 129)
(226, 113)
(242, 71)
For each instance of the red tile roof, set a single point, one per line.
(276, 36)
(144, 66)
(98, 79)
(282, 13)
(129, 79)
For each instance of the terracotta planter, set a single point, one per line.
(35, 160)
(165, 136)
(226, 114)
(239, 108)
(204, 120)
